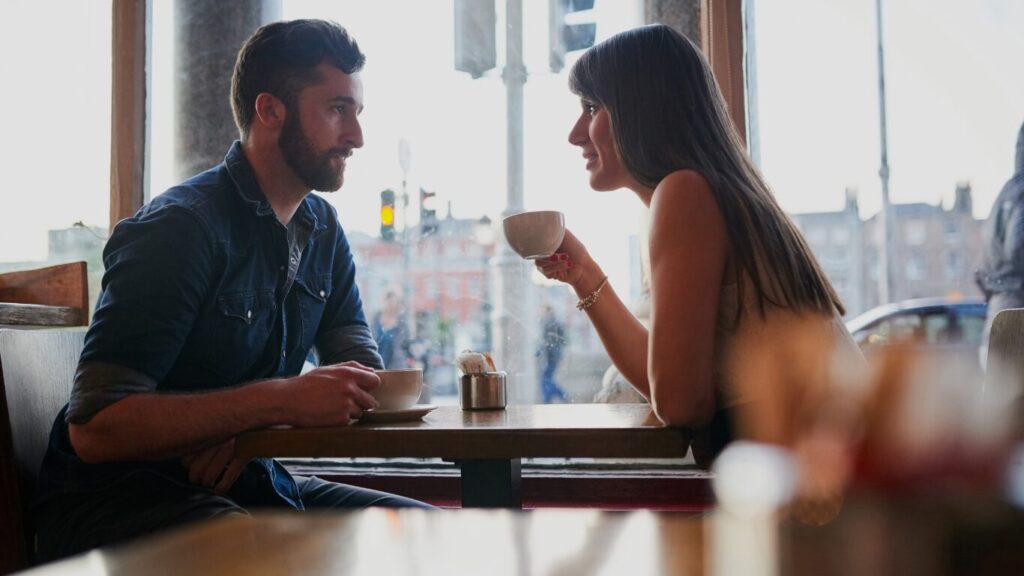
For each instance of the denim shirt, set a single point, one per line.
(204, 289)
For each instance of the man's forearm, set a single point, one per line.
(154, 426)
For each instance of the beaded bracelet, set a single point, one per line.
(588, 300)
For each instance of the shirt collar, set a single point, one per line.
(244, 177)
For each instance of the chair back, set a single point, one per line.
(37, 369)
(1005, 360)
(51, 296)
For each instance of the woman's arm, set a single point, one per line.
(689, 248)
(671, 364)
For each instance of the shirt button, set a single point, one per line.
(293, 260)
(281, 268)
(248, 314)
(321, 293)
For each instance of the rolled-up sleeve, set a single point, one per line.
(352, 342)
(100, 384)
(158, 269)
(344, 334)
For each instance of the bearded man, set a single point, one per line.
(213, 296)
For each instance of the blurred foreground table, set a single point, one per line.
(414, 542)
(487, 445)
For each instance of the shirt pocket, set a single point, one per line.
(313, 294)
(241, 329)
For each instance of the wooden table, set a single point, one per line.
(488, 446)
(893, 535)
(414, 542)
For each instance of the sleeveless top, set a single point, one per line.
(763, 356)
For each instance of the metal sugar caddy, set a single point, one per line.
(482, 391)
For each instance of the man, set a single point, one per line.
(214, 293)
(552, 338)
(390, 333)
(1001, 277)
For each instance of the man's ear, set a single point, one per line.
(270, 111)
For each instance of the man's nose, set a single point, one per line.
(355, 135)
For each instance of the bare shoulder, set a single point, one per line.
(684, 180)
(683, 202)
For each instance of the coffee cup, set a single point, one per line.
(535, 234)
(399, 388)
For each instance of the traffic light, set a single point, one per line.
(571, 27)
(475, 31)
(387, 215)
(428, 215)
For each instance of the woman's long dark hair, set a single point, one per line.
(667, 114)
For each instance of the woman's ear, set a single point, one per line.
(270, 111)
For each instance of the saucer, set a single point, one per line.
(412, 413)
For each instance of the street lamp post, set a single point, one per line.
(483, 232)
(885, 255)
(405, 162)
(512, 334)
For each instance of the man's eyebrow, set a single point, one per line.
(346, 100)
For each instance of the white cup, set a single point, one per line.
(536, 234)
(399, 388)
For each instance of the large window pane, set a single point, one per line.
(954, 108)
(441, 295)
(55, 57)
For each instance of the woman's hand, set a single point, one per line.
(569, 263)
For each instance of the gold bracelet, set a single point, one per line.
(589, 299)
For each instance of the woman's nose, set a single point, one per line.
(578, 134)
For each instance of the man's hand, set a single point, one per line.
(215, 467)
(330, 395)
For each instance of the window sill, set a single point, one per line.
(547, 483)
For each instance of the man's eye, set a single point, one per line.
(340, 110)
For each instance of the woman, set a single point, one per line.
(731, 276)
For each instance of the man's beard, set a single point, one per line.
(317, 171)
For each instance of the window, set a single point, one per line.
(954, 267)
(951, 231)
(814, 102)
(917, 267)
(455, 135)
(56, 166)
(915, 233)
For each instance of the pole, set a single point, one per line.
(405, 161)
(885, 289)
(513, 323)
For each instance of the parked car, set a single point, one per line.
(956, 325)
(926, 320)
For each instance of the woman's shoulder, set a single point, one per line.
(684, 192)
(684, 179)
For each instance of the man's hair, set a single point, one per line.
(281, 59)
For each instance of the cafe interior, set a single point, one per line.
(537, 462)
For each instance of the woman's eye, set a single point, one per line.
(590, 108)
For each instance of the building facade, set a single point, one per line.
(934, 250)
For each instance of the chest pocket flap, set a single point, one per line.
(246, 306)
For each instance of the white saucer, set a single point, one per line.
(412, 413)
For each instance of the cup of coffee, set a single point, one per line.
(399, 388)
(536, 234)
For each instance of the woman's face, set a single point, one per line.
(593, 134)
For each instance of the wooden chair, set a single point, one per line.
(1005, 360)
(37, 369)
(52, 296)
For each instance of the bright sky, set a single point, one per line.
(956, 101)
